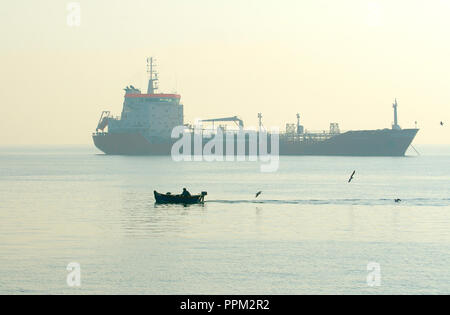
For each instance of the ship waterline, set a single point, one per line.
(147, 121)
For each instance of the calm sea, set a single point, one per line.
(309, 231)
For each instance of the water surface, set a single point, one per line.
(309, 232)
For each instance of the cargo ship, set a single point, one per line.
(147, 120)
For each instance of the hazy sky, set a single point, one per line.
(331, 61)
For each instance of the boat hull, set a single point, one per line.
(356, 143)
(178, 199)
(384, 142)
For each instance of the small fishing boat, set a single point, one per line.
(179, 199)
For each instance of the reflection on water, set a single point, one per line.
(141, 216)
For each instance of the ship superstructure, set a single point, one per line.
(152, 114)
(147, 120)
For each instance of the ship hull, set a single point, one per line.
(385, 142)
(130, 144)
(356, 143)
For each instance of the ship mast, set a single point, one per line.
(395, 126)
(260, 121)
(153, 76)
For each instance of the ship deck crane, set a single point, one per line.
(234, 119)
(103, 121)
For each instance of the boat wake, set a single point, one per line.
(365, 202)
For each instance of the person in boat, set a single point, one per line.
(185, 193)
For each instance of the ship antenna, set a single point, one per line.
(153, 76)
(260, 121)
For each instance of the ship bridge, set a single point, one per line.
(152, 113)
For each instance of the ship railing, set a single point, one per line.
(99, 133)
(307, 134)
(305, 137)
(316, 132)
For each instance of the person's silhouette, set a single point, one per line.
(185, 193)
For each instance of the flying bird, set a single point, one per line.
(351, 177)
(258, 193)
(442, 123)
